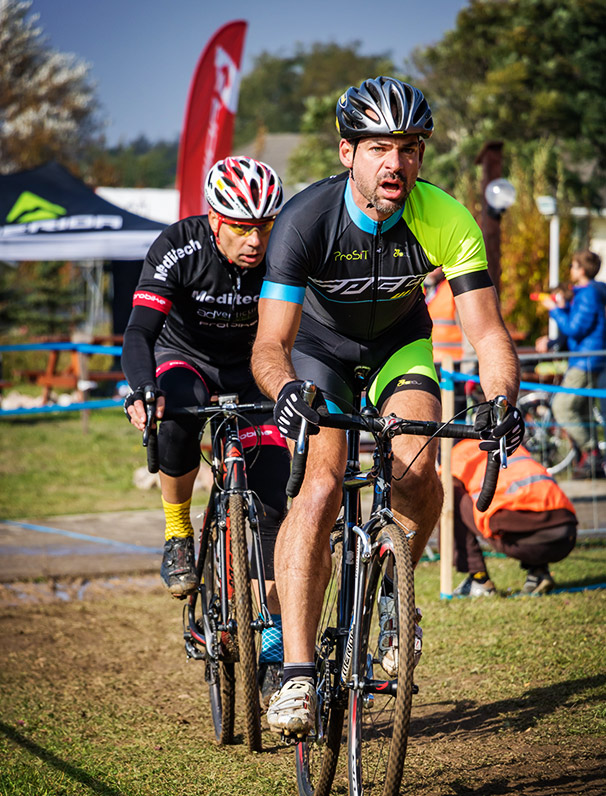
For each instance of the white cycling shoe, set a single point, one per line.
(388, 636)
(292, 709)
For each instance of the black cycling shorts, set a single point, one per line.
(395, 361)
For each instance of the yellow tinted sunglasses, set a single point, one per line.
(243, 229)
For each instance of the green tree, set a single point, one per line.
(274, 94)
(51, 297)
(521, 71)
(525, 241)
(138, 164)
(46, 100)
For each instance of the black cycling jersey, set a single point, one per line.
(362, 278)
(192, 300)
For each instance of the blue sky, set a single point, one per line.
(143, 53)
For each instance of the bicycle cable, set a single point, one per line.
(433, 436)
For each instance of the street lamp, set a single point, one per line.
(500, 195)
(548, 207)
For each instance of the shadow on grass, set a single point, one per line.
(519, 713)
(590, 782)
(56, 762)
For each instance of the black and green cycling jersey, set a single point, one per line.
(362, 278)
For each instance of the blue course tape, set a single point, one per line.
(531, 385)
(107, 403)
(85, 348)
(84, 537)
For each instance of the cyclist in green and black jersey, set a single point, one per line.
(346, 262)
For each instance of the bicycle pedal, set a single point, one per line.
(193, 652)
(287, 738)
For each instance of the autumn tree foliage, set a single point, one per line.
(46, 98)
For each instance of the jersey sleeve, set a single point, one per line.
(152, 301)
(288, 256)
(451, 237)
(161, 273)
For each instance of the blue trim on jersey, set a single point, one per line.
(364, 222)
(273, 290)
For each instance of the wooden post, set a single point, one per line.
(447, 516)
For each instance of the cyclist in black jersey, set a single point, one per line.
(346, 262)
(194, 317)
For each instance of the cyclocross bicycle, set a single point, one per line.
(224, 618)
(370, 559)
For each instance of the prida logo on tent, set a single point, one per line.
(31, 207)
(32, 213)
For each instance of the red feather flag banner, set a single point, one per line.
(210, 115)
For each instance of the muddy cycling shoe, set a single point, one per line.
(388, 636)
(292, 710)
(538, 581)
(270, 680)
(178, 568)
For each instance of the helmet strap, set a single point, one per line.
(355, 147)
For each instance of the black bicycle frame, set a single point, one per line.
(229, 478)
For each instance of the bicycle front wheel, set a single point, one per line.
(317, 756)
(247, 672)
(379, 710)
(220, 647)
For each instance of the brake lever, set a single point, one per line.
(149, 397)
(500, 410)
(308, 392)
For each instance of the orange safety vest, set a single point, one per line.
(525, 485)
(446, 335)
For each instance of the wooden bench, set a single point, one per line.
(77, 371)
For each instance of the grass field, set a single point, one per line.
(49, 466)
(98, 698)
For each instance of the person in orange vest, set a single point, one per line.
(530, 519)
(446, 335)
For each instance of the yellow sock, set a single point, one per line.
(178, 522)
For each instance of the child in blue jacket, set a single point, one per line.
(583, 322)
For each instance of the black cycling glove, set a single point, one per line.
(290, 409)
(139, 395)
(511, 427)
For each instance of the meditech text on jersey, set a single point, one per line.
(224, 298)
(173, 256)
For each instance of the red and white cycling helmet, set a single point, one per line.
(243, 189)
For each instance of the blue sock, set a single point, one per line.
(272, 648)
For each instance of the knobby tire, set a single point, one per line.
(220, 669)
(247, 671)
(378, 723)
(316, 760)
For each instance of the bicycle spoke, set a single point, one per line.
(247, 670)
(379, 719)
(219, 671)
(317, 758)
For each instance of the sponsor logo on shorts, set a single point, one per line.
(406, 382)
(268, 435)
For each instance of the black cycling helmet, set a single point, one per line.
(383, 106)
